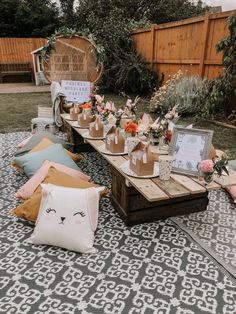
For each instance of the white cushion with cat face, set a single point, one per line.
(67, 218)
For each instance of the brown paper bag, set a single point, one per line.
(96, 128)
(115, 142)
(142, 160)
(74, 112)
(85, 118)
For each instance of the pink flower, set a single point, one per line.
(206, 165)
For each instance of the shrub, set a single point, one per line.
(184, 91)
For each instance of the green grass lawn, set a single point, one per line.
(17, 110)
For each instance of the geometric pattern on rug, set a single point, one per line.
(215, 228)
(146, 268)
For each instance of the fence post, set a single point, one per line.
(152, 45)
(204, 46)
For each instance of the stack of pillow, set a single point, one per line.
(58, 197)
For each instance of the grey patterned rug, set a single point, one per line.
(214, 229)
(148, 268)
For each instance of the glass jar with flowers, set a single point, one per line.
(156, 131)
(209, 167)
(131, 135)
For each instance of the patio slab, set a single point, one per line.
(14, 88)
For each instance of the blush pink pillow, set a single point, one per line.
(24, 142)
(31, 185)
(232, 191)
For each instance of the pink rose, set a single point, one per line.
(206, 165)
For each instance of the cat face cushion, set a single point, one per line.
(67, 218)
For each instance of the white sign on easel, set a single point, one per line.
(76, 91)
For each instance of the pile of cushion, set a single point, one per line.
(58, 197)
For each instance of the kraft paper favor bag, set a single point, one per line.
(142, 160)
(85, 118)
(115, 142)
(74, 112)
(96, 128)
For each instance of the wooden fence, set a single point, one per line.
(18, 50)
(188, 45)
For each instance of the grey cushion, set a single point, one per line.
(36, 138)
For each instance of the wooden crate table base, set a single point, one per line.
(140, 200)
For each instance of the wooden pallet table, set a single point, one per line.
(144, 200)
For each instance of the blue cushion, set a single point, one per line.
(33, 161)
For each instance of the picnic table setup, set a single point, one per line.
(146, 189)
(109, 209)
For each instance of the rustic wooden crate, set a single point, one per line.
(135, 208)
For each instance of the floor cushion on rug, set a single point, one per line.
(232, 192)
(30, 163)
(31, 185)
(36, 139)
(24, 142)
(44, 143)
(29, 209)
(67, 218)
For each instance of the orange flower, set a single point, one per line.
(86, 105)
(131, 127)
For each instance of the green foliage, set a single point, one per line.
(68, 14)
(8, 10)
(36, 18)
(220, 90)
(220, 165)
(28, 18)
(129, 73)
(180, 90)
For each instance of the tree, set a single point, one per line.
(36, 18)
(8, 10)
(67, 7)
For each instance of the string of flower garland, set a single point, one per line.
(69, 32)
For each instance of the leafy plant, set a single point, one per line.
(184, 91)
(220, 90)
(129, 73)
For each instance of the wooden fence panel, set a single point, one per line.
(188, 45)
(18, 50)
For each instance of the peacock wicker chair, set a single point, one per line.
(73, 58)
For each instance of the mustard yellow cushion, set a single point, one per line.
(29, 209)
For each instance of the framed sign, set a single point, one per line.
(189, 147)
(76, 91)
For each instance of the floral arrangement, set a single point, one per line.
(159, 97)
(208, 167)
(132, 106)
(86, 105)
(131, 128)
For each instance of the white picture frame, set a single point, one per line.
(188, 148)
(76, 91)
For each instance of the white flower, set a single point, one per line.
(99, 98)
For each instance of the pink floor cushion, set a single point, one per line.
(31, 185)
(232, 191)
(24, 142)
